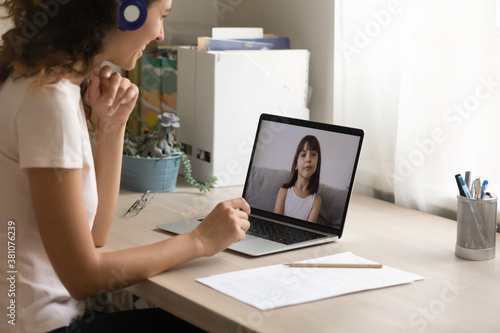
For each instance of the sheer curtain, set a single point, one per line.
(422, 78)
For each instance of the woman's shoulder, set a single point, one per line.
(55, 103)
(60, 95)
(60, 87)
(34, 86)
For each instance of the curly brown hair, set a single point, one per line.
(50, 37)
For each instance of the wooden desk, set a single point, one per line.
(456, 296)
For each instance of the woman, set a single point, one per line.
(57, 194)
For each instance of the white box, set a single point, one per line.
(237, 32)
(220, 98)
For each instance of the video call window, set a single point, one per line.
(302, 172)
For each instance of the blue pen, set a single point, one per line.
(464, 186)
(468, 180)
(483, 188)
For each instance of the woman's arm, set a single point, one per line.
(62, 222)
(112, 99)
(108, 151)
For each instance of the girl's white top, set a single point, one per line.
(297, 207)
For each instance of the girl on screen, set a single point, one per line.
(298, 197)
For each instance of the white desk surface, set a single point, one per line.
(456, 296)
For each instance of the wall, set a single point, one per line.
(188, 20)
(309, 24)
(193, 11)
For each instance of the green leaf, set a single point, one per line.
(203, 187)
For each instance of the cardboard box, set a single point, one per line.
(220, 98)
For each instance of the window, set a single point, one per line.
(422, 78)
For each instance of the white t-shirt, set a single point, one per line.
(39, 127)
(296, 206)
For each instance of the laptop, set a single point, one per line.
(300, 218)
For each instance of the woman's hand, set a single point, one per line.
(112, 96)
(225, 225)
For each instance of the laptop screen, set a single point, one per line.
(302, 171)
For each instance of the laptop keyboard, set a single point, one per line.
(279, 232)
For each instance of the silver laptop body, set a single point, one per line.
(275, 145)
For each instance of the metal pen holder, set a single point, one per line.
(476, 228)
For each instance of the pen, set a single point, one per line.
(463, 186)
(468, 179)
(460, 188)
(477, 195)
(483, 188)
(475, 188)
(335, 265)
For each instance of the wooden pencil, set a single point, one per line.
(335, 265)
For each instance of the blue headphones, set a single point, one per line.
(132, 14)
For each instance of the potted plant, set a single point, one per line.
(151, 161)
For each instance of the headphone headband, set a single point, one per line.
(132, 14)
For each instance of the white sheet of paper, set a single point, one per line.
(280, 285)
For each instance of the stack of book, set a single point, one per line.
(227, 39)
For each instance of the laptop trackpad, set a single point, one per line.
(249, 245)
(255, 246)
(180, 227)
